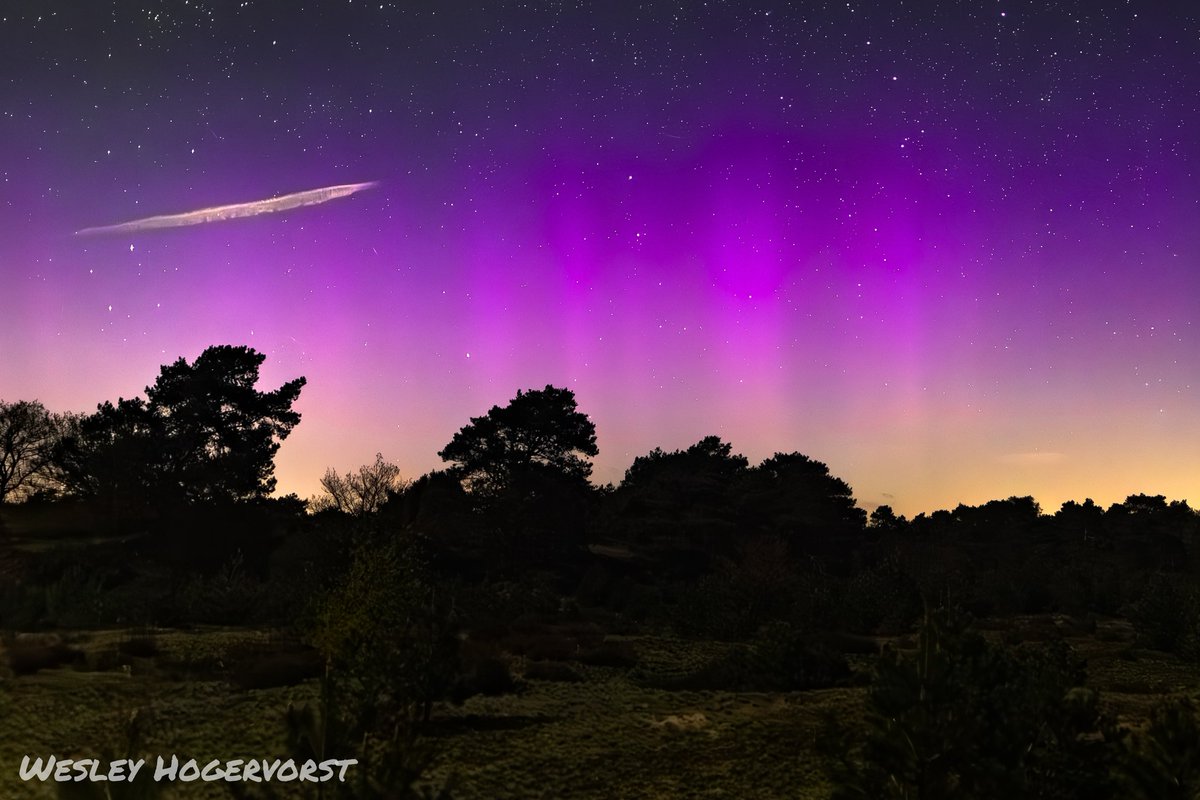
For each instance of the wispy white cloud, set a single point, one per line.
(234, 211)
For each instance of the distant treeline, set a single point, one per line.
(401, 594)
(697, 540)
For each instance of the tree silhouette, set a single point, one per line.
(1083, 522)
(28, 436)
(221, 433)
(360, 493)
(683, 502)
(702, 468)
(203, 433)
(796, 496)
(884, 520)
(113, 456)
(538, 431)
(1151, 531)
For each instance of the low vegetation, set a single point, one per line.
(505, 629)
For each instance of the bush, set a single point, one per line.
(610, 653)
(384, 630)
(489, 676)
(1164, 760)
(881, 598)
(779, 660)
(229, 597)
(28, 655)
(499, 603)
(785, 660)
(715, 607)
(274, 664)
(1167, 616)
(551, 671)
(76, 599)
(21, 606)
(140, 646)
(962, 718)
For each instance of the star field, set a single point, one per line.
(951, 249)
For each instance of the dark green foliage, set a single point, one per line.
(551, 671)
(143, 787)
(526, 468)
(883, 521)
(391, 760)
(1149, 533)
(882, 597)
(681, 501)
(305, 565)
(1167, 615)
(143, 645)
(714, 606)
(962, 718)
(1085, 585)
(31, 654)
(388, 653)
(273, 663)
(384, 631)
(76, 599)
(784, 659)
(1011, 519)
(1083, 522)
(501, 602)
(1164, 761)
(1015, 587)
(203, 433)
(538, 520)
(112, 458)
(780, 659)
(488, 675)
(694, 510)
(438, 510)
(230, 596)
(760, 583)
(538, 428)
(221, 434)
(609, 653)
(794, 496)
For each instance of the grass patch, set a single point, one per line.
(606, 732)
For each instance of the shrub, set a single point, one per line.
(231, 596)
(140, 646)
(76, 599)
(785, 660)
(715, 607)
(779, 660)
(489, 676)
(1167, 616)
(1164, 760)
(21, 606)
(275, 664)
(881, 598)
(551, 671)
(384, 629)
(28, 656)
(964, 718)
(610, 653)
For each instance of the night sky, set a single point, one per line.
(950, 249)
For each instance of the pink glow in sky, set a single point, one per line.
(952, 254)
